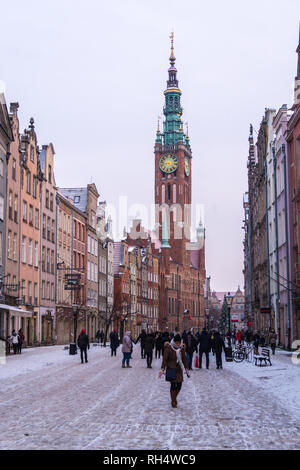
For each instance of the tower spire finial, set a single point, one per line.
(297, 78)
(172, 57)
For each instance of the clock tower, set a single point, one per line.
(173, 173)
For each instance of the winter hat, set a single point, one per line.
(82, 331)
(177, 338)
(115, 330)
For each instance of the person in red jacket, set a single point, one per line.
(239, 336)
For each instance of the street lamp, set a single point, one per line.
(229, 299)
(73, 348)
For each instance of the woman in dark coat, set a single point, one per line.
(83, 344)
(114, 342)
(174, 358)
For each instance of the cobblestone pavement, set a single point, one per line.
(99, 405)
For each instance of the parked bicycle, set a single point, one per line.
(243, 352)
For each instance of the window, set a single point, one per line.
(34, 186)
(2, 207)
(23, 249)
(15, 247)
(32, 153)
(1, 167)
(10, 208)
(25, 211)
(28, 182)
(29, 293)
(44, 226)
(52, 262)
(76, 199)
(43, 290)
(36, 219)
(30, 215)
(52, 232)
(48, 260)
(36, 254)
(48, 228)
(49, 174)
(14, 169)
(30, 251)
(47, 198)
(9, 244)
(16, 209)
(43, 258)
(51, 202)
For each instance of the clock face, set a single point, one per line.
(168, 163)
(186, 166)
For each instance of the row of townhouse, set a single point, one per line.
(48, 235)
(271, 222)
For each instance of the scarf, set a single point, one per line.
(178, 349)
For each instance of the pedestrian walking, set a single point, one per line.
(218, 345)
(262, 340)
(204, 347)
(114, 342)
(273, 339)
(190, 348)
(165, 339)
(101, 337)
(83, 344)
(98, 334)
(142, 339)
(149, 346)
(174, 364)
(256, 341)
(15, 341)
(238, 337)
(21, 340)
(158, 345)
(126, 349)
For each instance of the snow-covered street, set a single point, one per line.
(49, 400)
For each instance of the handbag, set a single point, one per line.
(170, 374)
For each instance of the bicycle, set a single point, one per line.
(243, 352)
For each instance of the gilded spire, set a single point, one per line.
(297, 78)
(172, 57)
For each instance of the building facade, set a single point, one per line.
(48, 243)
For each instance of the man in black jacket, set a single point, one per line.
(204, 347)
(83, 344)
(142, 337)
(218, 345)
(149, 346)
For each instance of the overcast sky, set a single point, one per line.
(92, 74)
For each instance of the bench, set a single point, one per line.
(264, 356)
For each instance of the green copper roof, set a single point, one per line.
(172, 126)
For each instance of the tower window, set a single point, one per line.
(169, 192)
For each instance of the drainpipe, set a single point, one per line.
(267, 233)
(56, 261)
(287, 245)
(276, 237)
(249, 264)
